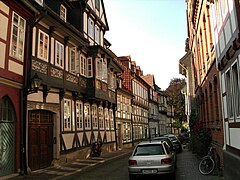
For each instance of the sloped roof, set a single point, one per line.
(149, 78)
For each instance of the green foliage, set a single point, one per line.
(176, 98)
(200, 138)
(177, 124)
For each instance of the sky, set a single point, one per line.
(152, 32)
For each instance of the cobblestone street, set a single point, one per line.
(187, 167)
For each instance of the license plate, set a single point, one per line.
(149, 171)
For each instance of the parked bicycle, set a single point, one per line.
(207, 163)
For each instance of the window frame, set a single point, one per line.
(87, 116)
(101, 118)
(44, 51)
(106, 118)
(59, 47)
(79, 115)
(94, 116)
(73, 60)
(90, 28)
(97, 34)
(67, 115)
(21, 33)
(63, 13)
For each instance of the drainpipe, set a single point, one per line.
(24, 93)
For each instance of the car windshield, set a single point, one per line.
(149, 149)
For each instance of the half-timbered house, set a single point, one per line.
(124, 104)
(140, 104)
(75, 104)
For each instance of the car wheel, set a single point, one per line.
(132, 177)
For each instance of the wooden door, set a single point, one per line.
(40, 139)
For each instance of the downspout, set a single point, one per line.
(27, 77)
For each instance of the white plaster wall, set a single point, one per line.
(217, 44)
(102, 134)
(85, 22)
(68, 140)
(15, 67)
(225, 106)
(52, 50)
(34, 42)
(52, 98)
(66, 58)
(4, 7)
(2, 54)
(108, 136)
(91, 3)
(234, 135)
(80, 137)
(226, 134)
(88, 136)
(223, 83)
(233, 18)
(3, 27)
(37, 97)
(101, 37)
(221, 42)
(228, 31)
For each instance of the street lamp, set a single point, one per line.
(35, 84)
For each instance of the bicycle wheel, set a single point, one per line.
(206, 165)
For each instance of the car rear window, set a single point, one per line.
(149, 149)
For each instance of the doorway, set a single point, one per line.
(40, 133)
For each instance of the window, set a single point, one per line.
(111, 119)
(97, 35)
(40, 2)
(104, 71)
(100, 116)
(106, 117)
(79, 115)
(67, 115)
(236, 88)
(221, 10)
(94, 117)
(90, 28)
(83, 65)
(229, 95)
(43, 43)
(89, 67)
(101, 70)
(63, 13)
(17, 36)
(86, 66)
(73, 60)
(97, 4)
(87, 116)
(59, 54)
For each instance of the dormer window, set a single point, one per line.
(40, 2)
(63, 13)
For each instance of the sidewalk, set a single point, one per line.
(66, 169)
(187, 167)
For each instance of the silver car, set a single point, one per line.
(151, 157)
